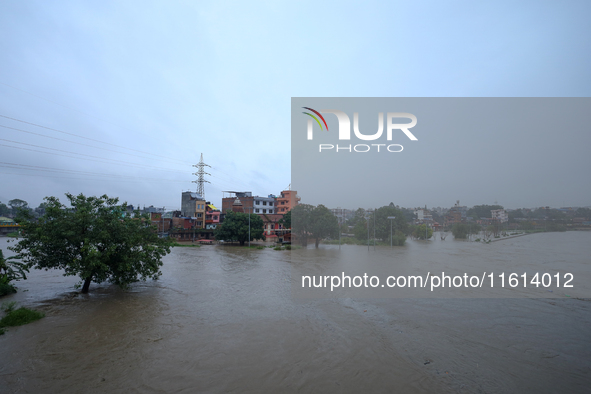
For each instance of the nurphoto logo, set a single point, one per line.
(345, 130)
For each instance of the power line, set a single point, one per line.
(90, 139)
(61, 170)
(73, 109)
(84, 179)
(86, 157)
(77, 143)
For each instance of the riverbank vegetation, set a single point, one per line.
(17, 317)
(10, 270)
(240, 227)
(94, 238)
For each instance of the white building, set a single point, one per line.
(499, 215)
(264, 204)
(423, 215)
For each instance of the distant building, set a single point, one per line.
(237, 206)
(456, 214)
(499, 215)
(250, 203)
(193, 206)
(271, 225)
(342, 214)
(212, 217)
(424, 216)
(286, 201)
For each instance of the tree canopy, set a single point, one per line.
(235, 228)
(9, 271)
(460, 230)
(285, 221)
(422, 232)
(94, 239)
(4, 210)
(323, 224)
(300, 221)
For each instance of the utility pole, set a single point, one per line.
(249, 210)
(201, 177)
(391, 218)
(374, 229)
(340, 224)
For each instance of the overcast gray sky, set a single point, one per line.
(143, 88)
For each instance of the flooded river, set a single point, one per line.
(226, 319)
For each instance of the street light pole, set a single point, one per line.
(374, 229)
(340, 218)
(249, 209)
(368, 233)
(391, 218)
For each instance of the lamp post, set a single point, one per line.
(340, 220)
(391, 218)
(249, 210)
(374, 229)
(368, 216)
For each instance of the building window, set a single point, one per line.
(257, 202)
(256, 210)
(264, 203)
(271, 203)
(264, 211)
(198, 215)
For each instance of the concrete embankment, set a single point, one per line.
(510, 236)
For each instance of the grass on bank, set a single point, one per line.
(185, 245)
(17, 317)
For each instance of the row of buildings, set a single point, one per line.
(458, 214)
(198, 218)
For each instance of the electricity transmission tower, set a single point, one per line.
(201, 176)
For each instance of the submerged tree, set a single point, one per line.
(422, 232)
(323, 224)
(95, 239)
(9, 271)
(460, 230)
(301, 222)
(236, 228)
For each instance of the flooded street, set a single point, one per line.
(225, 319)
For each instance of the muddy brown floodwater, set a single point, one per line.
(224, 319)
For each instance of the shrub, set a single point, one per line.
(17, 317)
(6, 288)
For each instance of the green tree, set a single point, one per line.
(301, 221)
(17, 204)
(399, 238)
(40, 210)
(9, 271)
(359, 217)
(94, 239)
(323, 224)
(360, 230)
(235, 228)
(4, 210)
(382, 223)
(474, 228)
(460, 230)
(285, 221)
(420, 230)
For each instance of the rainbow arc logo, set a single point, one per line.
(315, 118)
